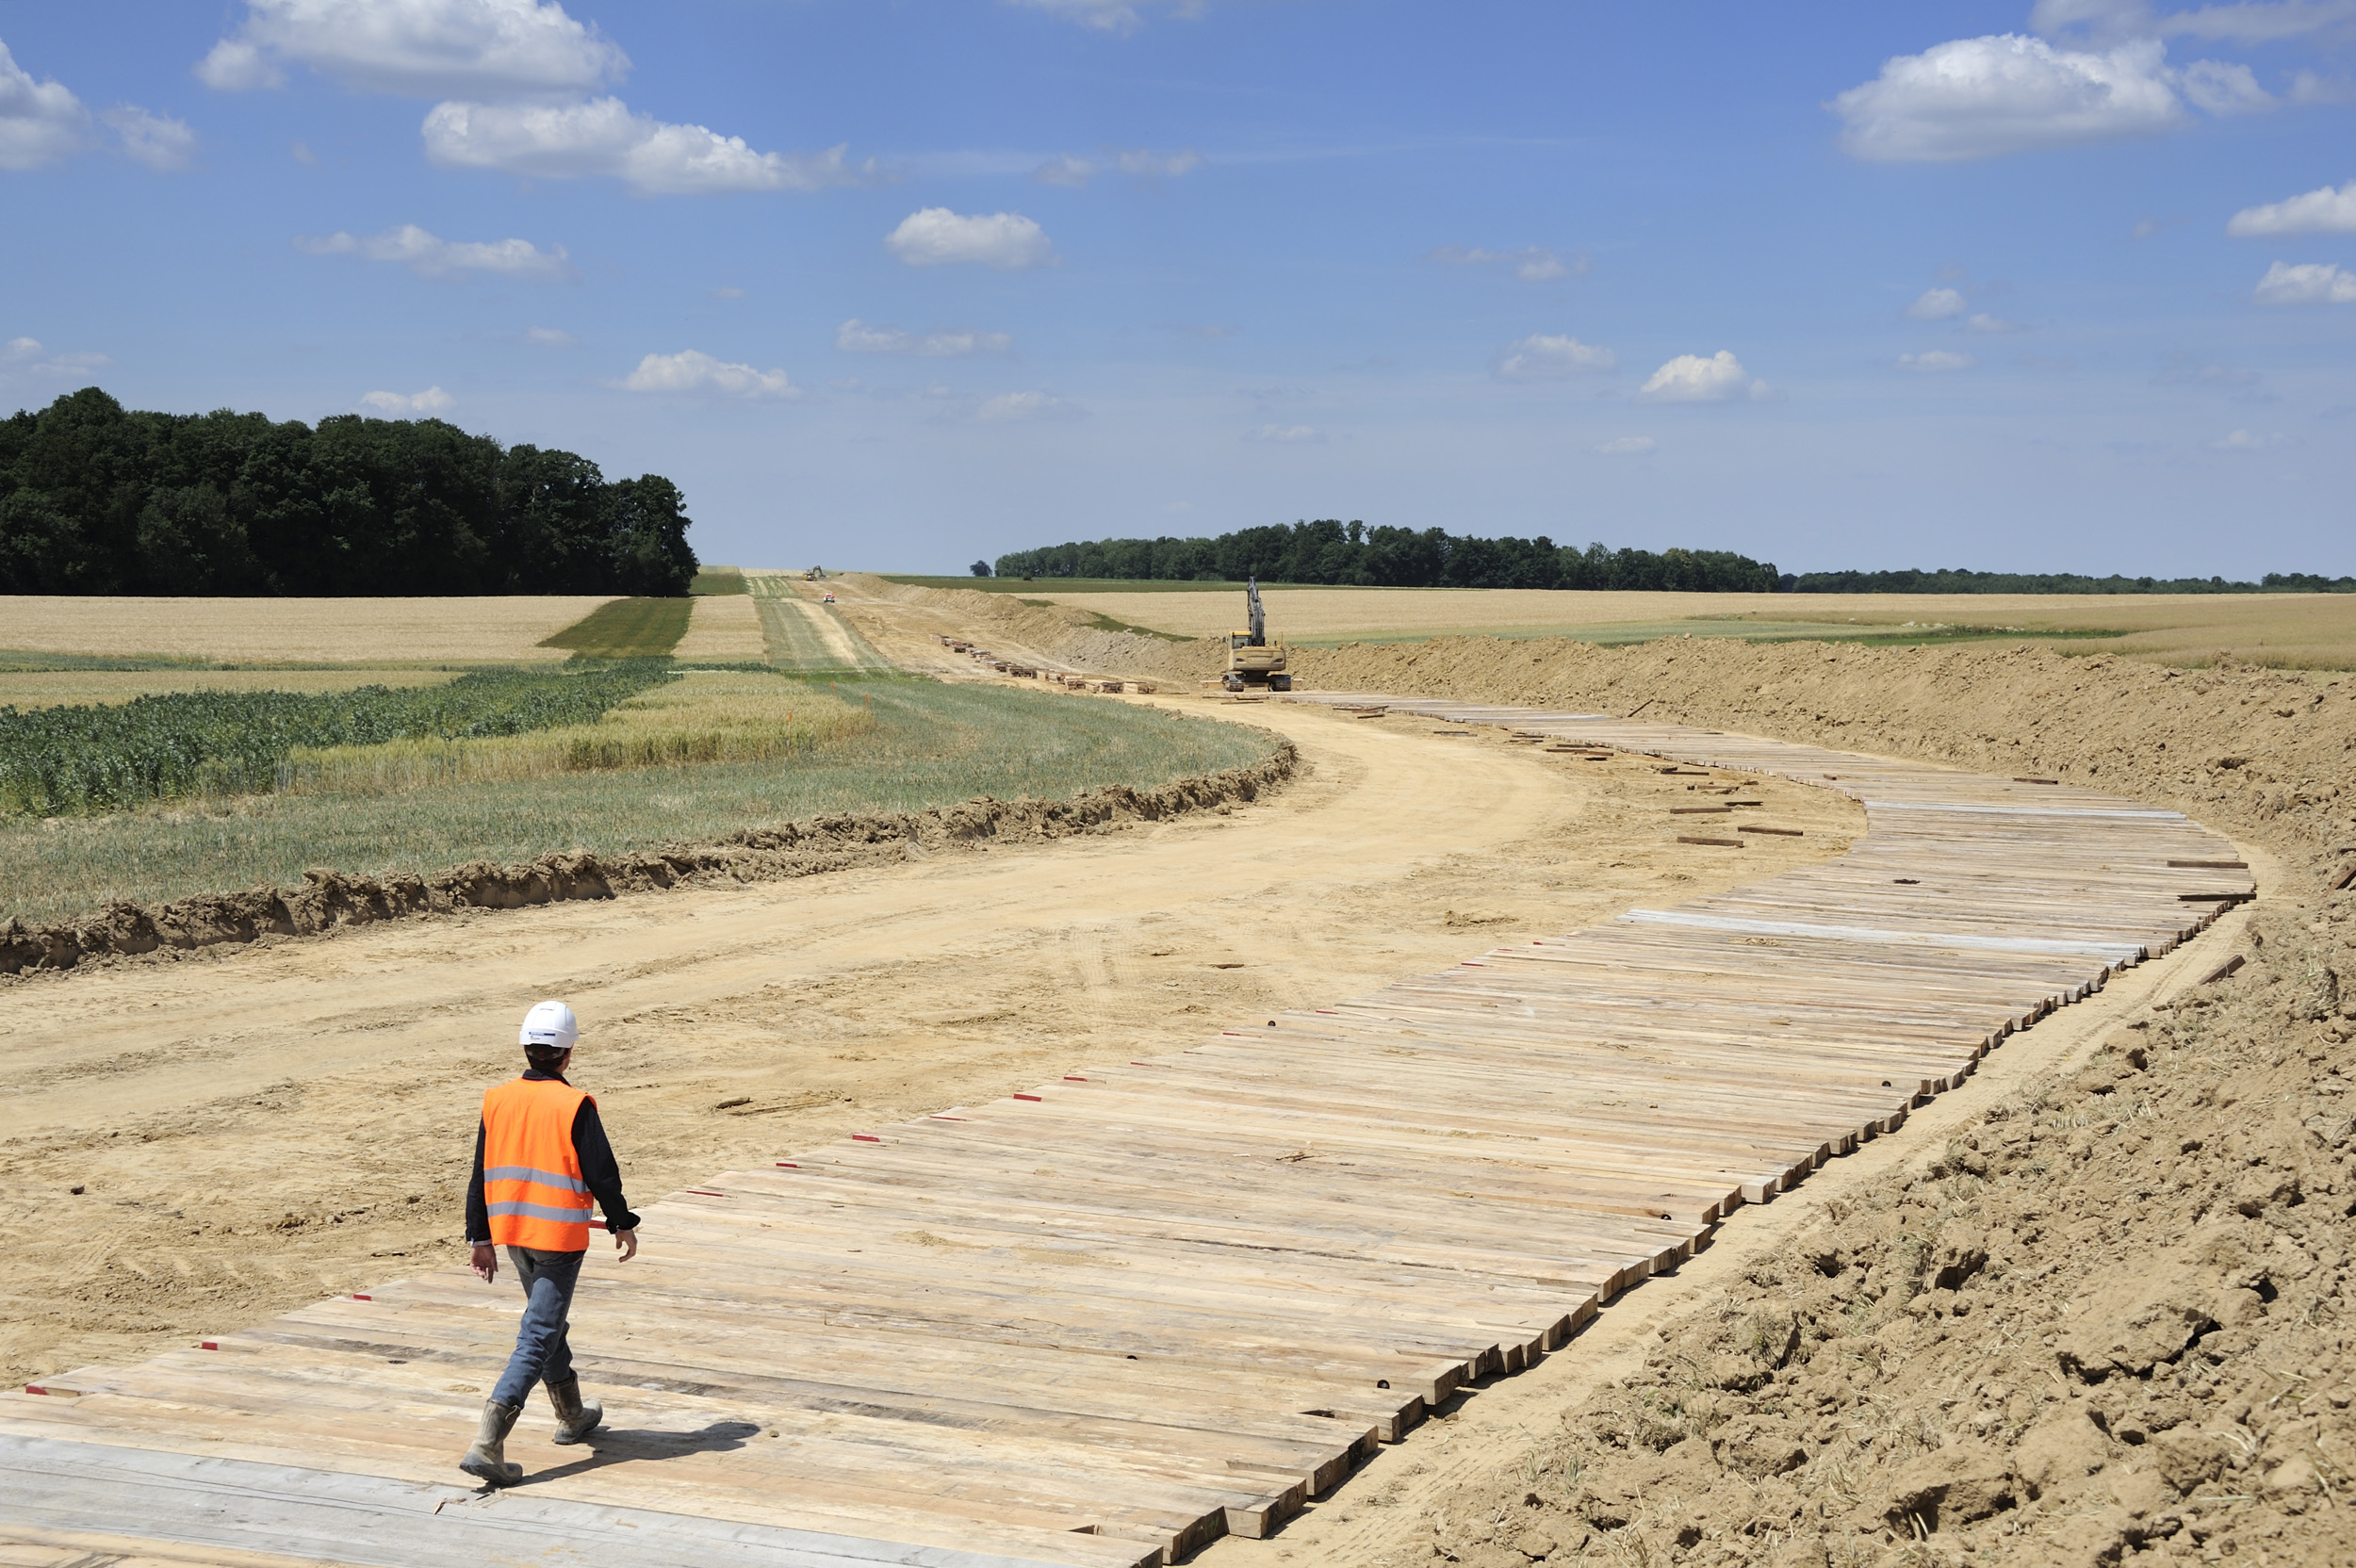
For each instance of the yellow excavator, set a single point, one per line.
(1251, 659)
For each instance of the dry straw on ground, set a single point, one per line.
(2292, 629)
(53, 688)
(294, 631)
(723, 626)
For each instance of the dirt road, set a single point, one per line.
(254, 1128)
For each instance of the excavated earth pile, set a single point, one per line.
(2108, 1320)
(329, 899)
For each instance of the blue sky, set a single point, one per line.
(2070, 288)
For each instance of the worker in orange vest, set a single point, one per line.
(540, 1154)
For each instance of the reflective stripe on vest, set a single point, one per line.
(531, 1174)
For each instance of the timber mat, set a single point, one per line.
(1109, 1320)
(330, 899)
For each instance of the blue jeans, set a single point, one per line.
(542, 1353)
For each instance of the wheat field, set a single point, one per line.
(2291, 629)
(294, 631)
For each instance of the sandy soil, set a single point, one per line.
(293, 631)
(723, 626)
(253, 1128)
(2291, 628)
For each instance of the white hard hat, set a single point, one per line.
(549, 1024)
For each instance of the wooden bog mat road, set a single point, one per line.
(1106, 1321)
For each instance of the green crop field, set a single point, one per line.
(718, 580)
(930, 743)
(92, 760)
(626, 628)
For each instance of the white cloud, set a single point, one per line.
(936, 237)
(1935, 305)
(393, 404)
(431, 257)
(603, 137)
(2217, 88)
(417, 48)
(1546, 358)
(1063, 169)
(1010, 406)
(1530, 264)
(2244, 441)
(548, 338)
(1935, 359)
(1982, 321)
(691, 371)
(1690, 378)
(1980, 97)
(856, 336)
(25, 355)
(2312, 283)
(164, 144)
(1141, 163)
(2324, 211)
(1106, 16)
(2246, 22)
(39, 121)
(1284, 434)
(1626, 446)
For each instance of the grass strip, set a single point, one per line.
(718, 580)
(75, 761)
(626, 628)
(931, 745)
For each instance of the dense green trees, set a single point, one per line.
(1334, 552)
(96, 498)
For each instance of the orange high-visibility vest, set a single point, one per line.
(531, 1175)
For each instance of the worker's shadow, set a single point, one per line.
(611, 1445)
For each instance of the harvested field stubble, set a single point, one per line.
(297, 631)
(932, 746)
(2111, 1318)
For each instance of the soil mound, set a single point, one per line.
(330, 899)
(2110, 1319)
(1073, 635)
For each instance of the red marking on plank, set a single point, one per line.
(1073, 1078)
(1026, 1097)
(788, 1165)
(208, 1345)
(701, 1192)
(865, 1138)
(35, 1388)
(357, 1297)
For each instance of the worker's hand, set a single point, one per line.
(626, 1243)
(485, 1262)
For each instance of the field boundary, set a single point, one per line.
(328, 900)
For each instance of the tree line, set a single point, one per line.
(97, 498)
(1351, 554)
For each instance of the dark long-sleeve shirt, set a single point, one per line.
(600, 1171)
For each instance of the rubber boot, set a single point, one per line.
(487, 1460)
(575, 1419)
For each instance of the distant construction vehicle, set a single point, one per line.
(816, 574)
(1251, 659)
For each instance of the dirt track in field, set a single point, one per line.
(259, 1127)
